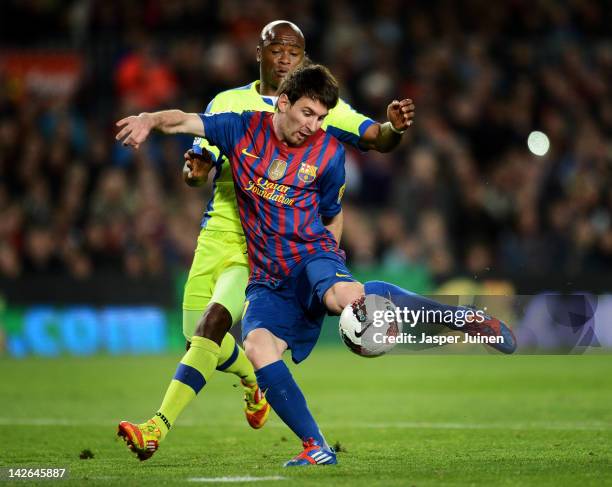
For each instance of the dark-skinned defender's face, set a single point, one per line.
(280, 53)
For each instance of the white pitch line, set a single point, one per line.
(248, 478)
(479, 426)
(4, 421)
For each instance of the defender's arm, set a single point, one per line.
(197, 167)
(386, 136)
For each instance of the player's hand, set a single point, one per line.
(401, 113)
(134, 129)
(197, 167)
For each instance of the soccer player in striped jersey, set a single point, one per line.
(289, 178)
(215, 289)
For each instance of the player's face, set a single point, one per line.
(279, 53)
(301, 119)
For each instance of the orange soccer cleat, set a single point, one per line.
(141, 439)
(256, 407)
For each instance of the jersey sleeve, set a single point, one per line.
(222, 129)
(346, 124)
(200, 144)
(331, 186)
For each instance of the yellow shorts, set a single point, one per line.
(219, 274)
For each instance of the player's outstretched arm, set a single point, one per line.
(135, 129)
(386, 136)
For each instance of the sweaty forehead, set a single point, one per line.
(283, 35)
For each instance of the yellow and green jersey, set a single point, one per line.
(221, 214)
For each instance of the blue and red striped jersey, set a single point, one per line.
(281, 191)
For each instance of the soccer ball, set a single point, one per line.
(364, 331)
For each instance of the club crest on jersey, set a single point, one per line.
(277, 169)
(307, 173)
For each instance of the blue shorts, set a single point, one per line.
(294, 310)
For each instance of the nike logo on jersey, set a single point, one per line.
(342, 275)
(247, 153)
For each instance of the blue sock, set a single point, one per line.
(287, 400)
(405, 299)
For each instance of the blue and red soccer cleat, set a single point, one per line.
(492, 327)
(313, 454)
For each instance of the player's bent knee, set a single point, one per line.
(258, 357)
(262, 348)
(215, 323)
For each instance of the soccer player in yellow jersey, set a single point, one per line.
(215, 289)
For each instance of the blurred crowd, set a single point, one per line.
(462, 194)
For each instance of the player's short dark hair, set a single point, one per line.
(314, 81)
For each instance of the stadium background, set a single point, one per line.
(96, 240)
(462, 207)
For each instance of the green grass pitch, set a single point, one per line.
(403, 420)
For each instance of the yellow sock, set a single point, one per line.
(233, 359)
(196, 366)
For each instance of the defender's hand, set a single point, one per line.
(135, 129)
(197, 167)
(401, 114)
